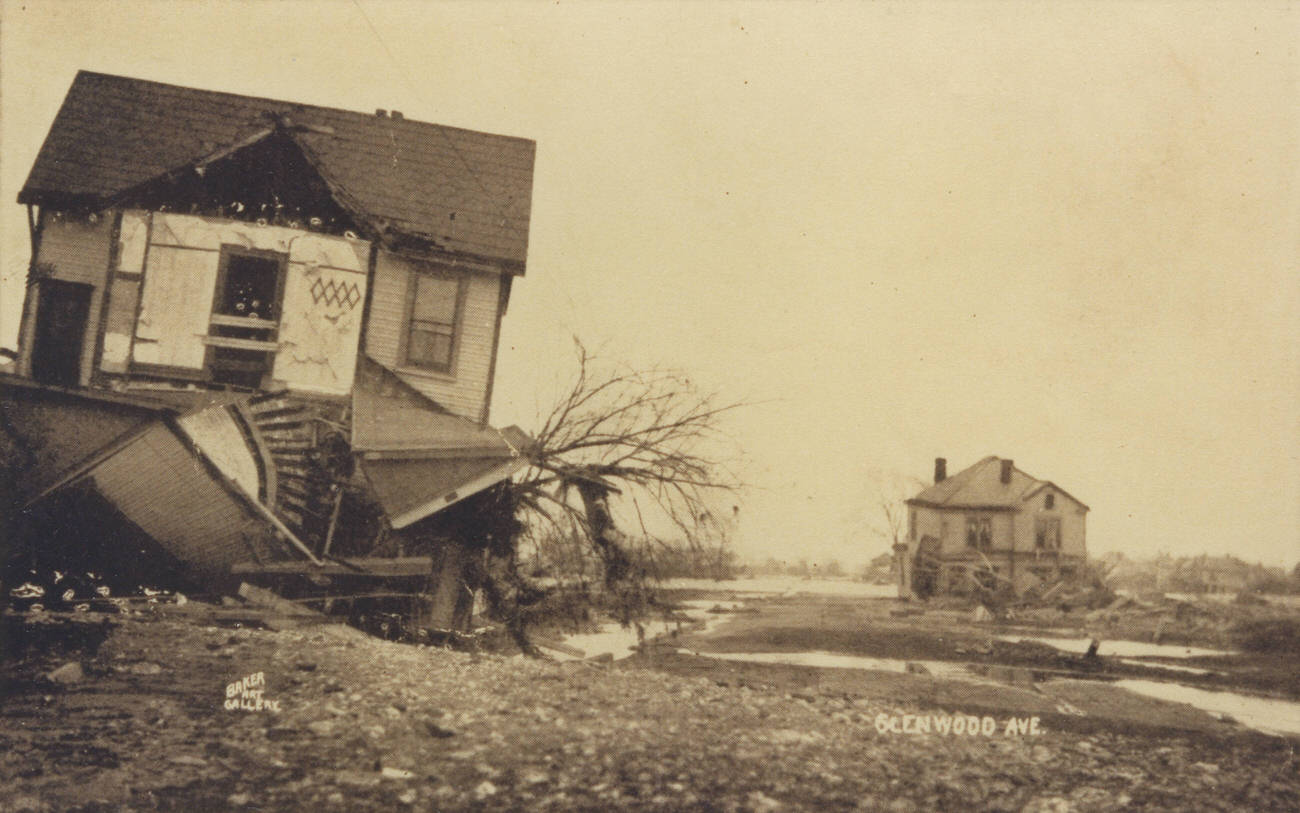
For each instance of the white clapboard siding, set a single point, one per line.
(463, 392)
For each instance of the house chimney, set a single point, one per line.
(395, 114)
(940, 469)
(380, 112)
(1006, 471)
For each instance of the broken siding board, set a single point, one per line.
(174, 309)
(216, 433)
(309, 248)
(123, 297)
(320, 328)
(133, 240)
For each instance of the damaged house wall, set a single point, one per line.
(71, 268)
(317, 321)
(463, 387)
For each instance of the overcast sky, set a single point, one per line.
(1065, 234)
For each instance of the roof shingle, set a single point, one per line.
(464, 190)
(981, 486)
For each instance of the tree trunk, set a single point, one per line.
(601, 528)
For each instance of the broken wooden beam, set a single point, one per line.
(397, 567)
(261, 597)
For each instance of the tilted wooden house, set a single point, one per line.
(992, 522)
(306, 301)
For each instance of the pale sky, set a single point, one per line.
(1065, 234)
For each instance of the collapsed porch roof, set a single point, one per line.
(417, 455)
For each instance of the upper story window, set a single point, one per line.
(244, 326)
(1050, 501)
(979, 533)
(433, 323)
(249, 284)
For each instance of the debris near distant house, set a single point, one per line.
(989, 530)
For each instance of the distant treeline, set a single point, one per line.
(1197, 574)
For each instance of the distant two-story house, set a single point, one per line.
(993, 523)
(308, 300)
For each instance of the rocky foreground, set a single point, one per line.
(174, 715)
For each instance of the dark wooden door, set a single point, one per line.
(61, 315)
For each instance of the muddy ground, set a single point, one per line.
(140, 721)
(889, 629)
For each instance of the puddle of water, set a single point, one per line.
(789, 586)
(832, 660)
(619, 641)
(1166, 666)
(1125, 649)
(706, 605)
(1264, 714)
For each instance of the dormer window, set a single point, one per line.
(433, 321)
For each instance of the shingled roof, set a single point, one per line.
(981, 486)
(466, 192)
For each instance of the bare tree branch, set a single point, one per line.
(640, 437)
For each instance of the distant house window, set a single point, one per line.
(433, 321)
(979, 533)
(1050, 502)
(1047, 533)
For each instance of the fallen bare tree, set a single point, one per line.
(646, 444)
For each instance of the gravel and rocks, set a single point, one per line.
(173, 715)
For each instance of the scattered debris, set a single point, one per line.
(70, 672)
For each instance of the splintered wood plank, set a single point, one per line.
(384, 568)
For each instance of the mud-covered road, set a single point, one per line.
(164, 716)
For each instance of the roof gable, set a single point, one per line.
(981, 486)
(463, 191)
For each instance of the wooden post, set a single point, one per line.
(452, 601)
(334, 521)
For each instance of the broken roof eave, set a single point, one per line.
(424, 247)
(61, 200)
(478, 484)
(413, 245)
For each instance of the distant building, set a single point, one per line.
(987, 524)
